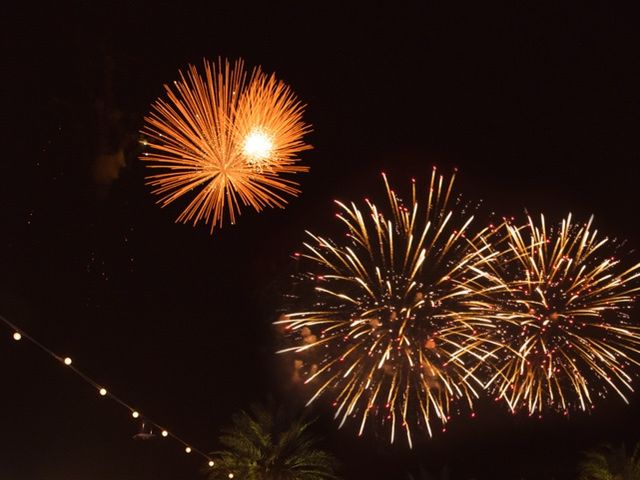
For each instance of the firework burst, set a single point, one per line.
(389, 332)
(227, 138)
(564, 320)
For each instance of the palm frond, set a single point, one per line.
(260, 446)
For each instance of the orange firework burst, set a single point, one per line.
(389, 331)
(229, 138)
(564, 322)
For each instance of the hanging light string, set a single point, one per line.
(19, 334)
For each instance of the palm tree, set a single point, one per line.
(258, 447)
(610, 463)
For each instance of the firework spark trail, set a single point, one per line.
(392, 325)
(228, 138)
(564, 320)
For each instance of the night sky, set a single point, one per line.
(536, 106)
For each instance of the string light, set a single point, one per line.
(18, 335)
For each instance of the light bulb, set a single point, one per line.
(135, 414)
(230, 475)
(103, 391)
(165, 433)
(188, 449)
(17, 336)
(211, 464)
(68, 361)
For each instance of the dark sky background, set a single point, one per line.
(537, 106)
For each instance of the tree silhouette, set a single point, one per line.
(262, 445)
(611, 463)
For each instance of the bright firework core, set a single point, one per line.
(258, 148)
(401, 311)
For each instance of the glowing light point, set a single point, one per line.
(211, 463)
(165, 433)
(188, 449)
(135, 414)
(67, 361)
(230, 475)
(103, 392)
(17, 336)
(257, 148)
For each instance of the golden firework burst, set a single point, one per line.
(563, 318)
(228, 138)
(389, 330)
